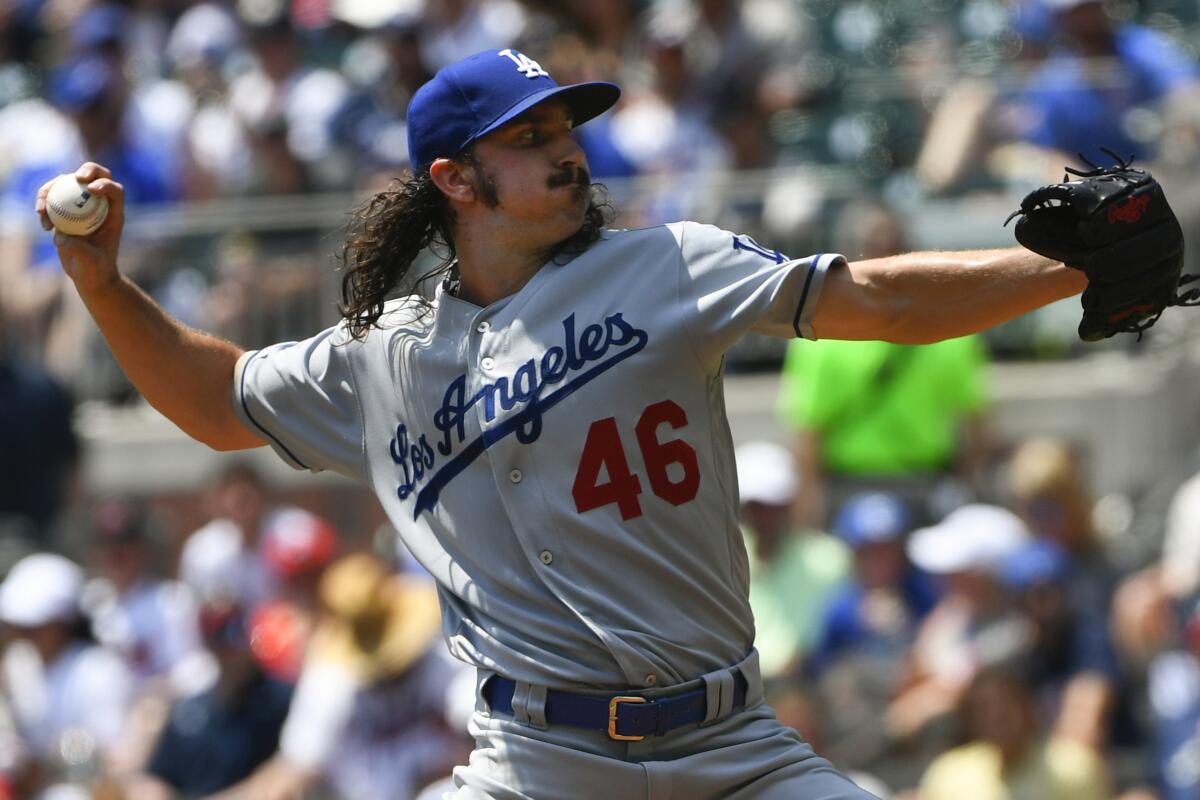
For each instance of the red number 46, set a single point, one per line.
(602, 450)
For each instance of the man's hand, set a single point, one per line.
(90, 261)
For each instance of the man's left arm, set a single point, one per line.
(917, 298)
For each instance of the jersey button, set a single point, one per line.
(484, 326)
(515, 476)
(546, 557)
(487, 363)
(651, 679)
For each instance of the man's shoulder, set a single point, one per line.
(408, 313)
(685, 237)
(663, 232)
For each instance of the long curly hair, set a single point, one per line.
(389, 232)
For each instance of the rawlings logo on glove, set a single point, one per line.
(1129, 211)
(1115, 225)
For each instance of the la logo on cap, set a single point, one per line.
(525, 65)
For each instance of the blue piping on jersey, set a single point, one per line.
(249, 416)
(812, 270)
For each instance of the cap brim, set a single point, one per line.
(586, 101)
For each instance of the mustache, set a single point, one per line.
(568, 176)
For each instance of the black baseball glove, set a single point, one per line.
(1115, 225)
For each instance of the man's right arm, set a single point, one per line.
(184, 373)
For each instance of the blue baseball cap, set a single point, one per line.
(82, 82)
(473, 97)
(872, 517)
(1038, 561)
(100, 26)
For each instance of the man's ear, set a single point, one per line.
(455, 178)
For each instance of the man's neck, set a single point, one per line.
(489, 272)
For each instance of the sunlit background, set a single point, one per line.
(246, 132)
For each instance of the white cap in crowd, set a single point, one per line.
(973, 537)
(766, 474)
(40, 589)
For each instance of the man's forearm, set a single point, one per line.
(930, 296)
(184, 373)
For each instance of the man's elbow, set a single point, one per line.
(223, 435)
(230, 445)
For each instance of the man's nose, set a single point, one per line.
(569, 153)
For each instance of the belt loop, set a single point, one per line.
(753, 674)
(520, 703)
(482, 677)
(719, 700)
(536, 708)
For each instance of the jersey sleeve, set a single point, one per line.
(301, 397)
(733, 285)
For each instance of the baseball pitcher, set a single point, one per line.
(545, 428)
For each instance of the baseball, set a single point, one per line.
(73, 209)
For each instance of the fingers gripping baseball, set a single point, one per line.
(87, 211)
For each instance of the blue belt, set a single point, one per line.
(625, 718)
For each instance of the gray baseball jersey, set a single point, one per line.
(560, 460)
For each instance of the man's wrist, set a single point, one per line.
(98, 289)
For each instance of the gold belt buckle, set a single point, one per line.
(612, 718)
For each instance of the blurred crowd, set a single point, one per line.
(934, 626)
(935, 610)
(993, 646)
(263, 655)
(828, 103)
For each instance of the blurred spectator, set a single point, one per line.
(296, 548)
(1071, 667)
(1173, 687)
(94, 96)
(200, 47)
(1104, 83)
(973, 624)
(371, 123)
(37, 438)
(265, 287)
(216, 738)
(792, 571)
(286, 106)
(1100, 86)
(879, 609)
(1050, 494)
(70, 697)
(379, 705)
(1181, 543)
(132, 42)
(148, 619)
(224, 557)
(1006, 755)
(882, 416)
(1155, 621)
(732, 44)
(456, 29)
(662, 131)
(867, 630)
